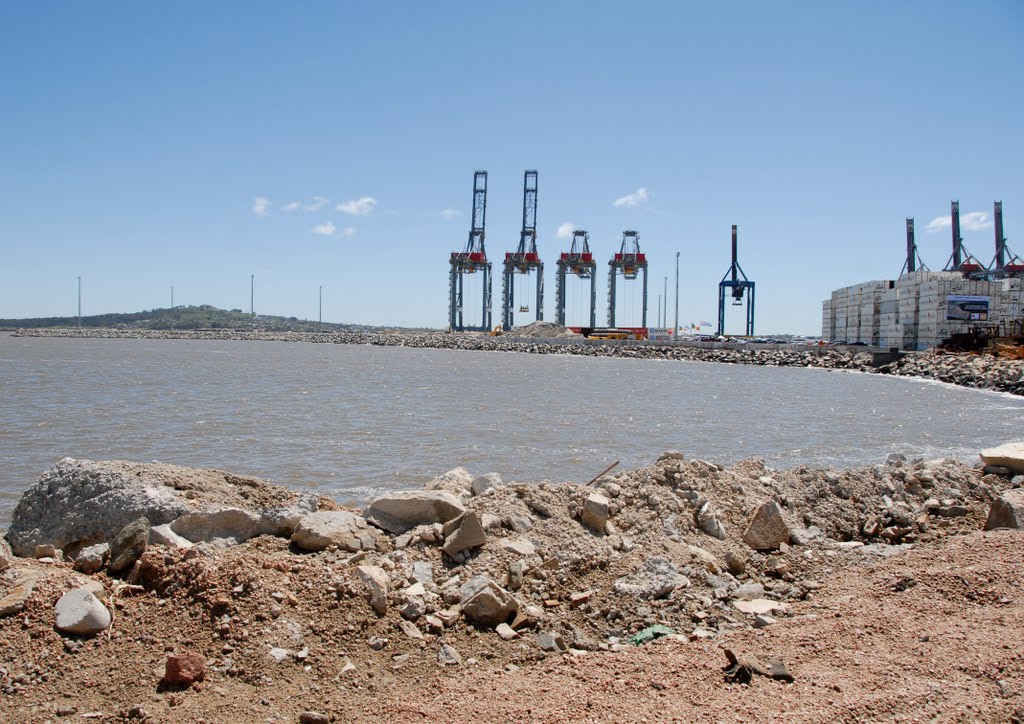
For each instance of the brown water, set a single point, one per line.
(357, 420)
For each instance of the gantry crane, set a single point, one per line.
(1001, 267)
(913, 262)
(580, 262)
(525, 258)
(470, 261)
(967, 265)
(629, 262)
(737, 281)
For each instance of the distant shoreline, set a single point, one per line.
(977, 372)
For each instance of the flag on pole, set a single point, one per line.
(705, 324)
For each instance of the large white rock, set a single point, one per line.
(595, 512)
(81, 502)
(767, 530)
(486, 482)
(346, 530)
(485, 603)
(79, 612)
(1009, 455)
(399, 512)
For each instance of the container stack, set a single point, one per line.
(920, 310)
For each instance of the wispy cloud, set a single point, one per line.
(358, 207)
(318, 203)
(348, 231)
(971, 221)
(634, 199)
(261, 206)
(450, 214)
(293, 206)
(565, 230)
(325, 229)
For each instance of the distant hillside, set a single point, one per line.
(201, 317)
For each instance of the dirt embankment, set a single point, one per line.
(876, 589)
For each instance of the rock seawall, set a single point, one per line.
(986, 372)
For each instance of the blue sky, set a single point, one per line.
(144, 145)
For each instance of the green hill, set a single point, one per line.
(190, 317)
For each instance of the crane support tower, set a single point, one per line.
(470, 261)
(737, 281)
(525, 258)
(962, 260)
(913, 262)
(579, 262)
(629, 262)
(1001, 266)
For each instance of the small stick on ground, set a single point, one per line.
(603, 472)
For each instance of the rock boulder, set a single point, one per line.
(346, 530)
(1009, 455)
(1007, 511)
(767, 530)
(79, 612)
(398, 512)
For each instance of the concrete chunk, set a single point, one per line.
(341, 528)
(468, 534)
(1007, 511)
(767, 530)
(376, 581)
(595, 512)
(1009, 455)
(399, 512)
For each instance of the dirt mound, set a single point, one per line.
(543, 329)
(871, 605)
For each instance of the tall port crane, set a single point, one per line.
(737, 281)
(579, 262)
(629, 262)
(913, 262)
(962, 260)
(525, 258)
(1001, 267)
(470, 261)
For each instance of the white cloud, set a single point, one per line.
(358, 207)
(449, 214)
(565, 230)
(261, 205)
(971, 221)
(318, 203)
(634, 199)
(293, 206)
(348, 231)
(325, 229)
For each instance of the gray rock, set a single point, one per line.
(457, 480)
(767, 530)
(447, 656)
(1007, 511)
(398, 512)
(1009, 455)
(595, 512)
(129, 545)
(45, 550)
(551, 641)
(79, 612)
(708, 522)
(487, 604)
(469, 534)
(376, 581)
(92, 558)
(423, 572)
(486, 482)
(80, 502)
(341, 528)
(657, 578)
(233, 524)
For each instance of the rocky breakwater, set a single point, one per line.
(243, 581)
(979, 372)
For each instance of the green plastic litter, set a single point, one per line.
(650, 633)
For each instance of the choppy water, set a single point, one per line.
(356, 420)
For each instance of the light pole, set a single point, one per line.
(659, 310)
(79, 302)
(664, 317)
(676, 332)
